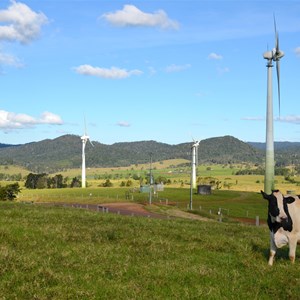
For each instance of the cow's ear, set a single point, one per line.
(289, 200)
(266, 196)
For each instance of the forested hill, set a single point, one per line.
(286, 153)
(65, 152)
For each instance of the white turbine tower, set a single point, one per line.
(270, 56)
(84, 140)
(194, 162)
(194, 151)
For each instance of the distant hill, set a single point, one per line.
(7, 145)
(65, 152)
(277, 145)
(286, 153)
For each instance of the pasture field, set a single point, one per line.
(179, 176)
(12, 169)
(177, 171)
(233, 203)
(67, 253)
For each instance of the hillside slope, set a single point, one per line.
(65, 152)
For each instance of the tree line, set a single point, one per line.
(43, 181)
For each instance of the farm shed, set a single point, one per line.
(204, 189)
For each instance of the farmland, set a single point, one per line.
(59, 252)
(231, 187)
(66, 253)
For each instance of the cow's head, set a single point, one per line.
(278, 209)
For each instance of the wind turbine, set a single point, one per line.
(274, 55)
(84, 140)
(194, 151)
(194, 162)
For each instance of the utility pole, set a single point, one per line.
(191, 188)
(150, 180)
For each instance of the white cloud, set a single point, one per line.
(11, 120)
(177, 68)
(253, 118)
(297, 51)
(222, 71)
(112, 73)
(130, 15)
(21, 23)
(8, 59)
(50, 118)
(123, 124)
(289, 119)
(215, 56)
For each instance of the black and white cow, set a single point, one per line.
(283, 222)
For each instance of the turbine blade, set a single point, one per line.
(85, 132)
(278, 82)
(91, 143)
(276, 34)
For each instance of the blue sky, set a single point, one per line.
(167, 71)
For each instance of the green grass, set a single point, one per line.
(65, 253)
(232, 203)
(173, 171)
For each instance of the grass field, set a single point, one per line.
(49, 252)
(66, 253)
(174, 170)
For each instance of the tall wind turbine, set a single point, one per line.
(194, 151)
(84, 140)
(275, 55)
(194, 162)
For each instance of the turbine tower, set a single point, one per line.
(84, 140)
(275, 55)
(194, 162)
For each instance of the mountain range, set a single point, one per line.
(65, 152)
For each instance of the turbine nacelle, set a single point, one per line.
(277, 54)
(274, 55)
(268, 55)
(85, 138)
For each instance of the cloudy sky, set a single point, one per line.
(157, 70)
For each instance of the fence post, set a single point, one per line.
(257, 221)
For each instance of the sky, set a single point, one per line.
(123, 71)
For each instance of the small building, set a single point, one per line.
(204, 189)
(145, 189)
(159, 187)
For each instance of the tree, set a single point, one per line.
(107, 183)
(56, 182)
(36, 181)
(42, 182)
(9, 192)
(75, 182)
